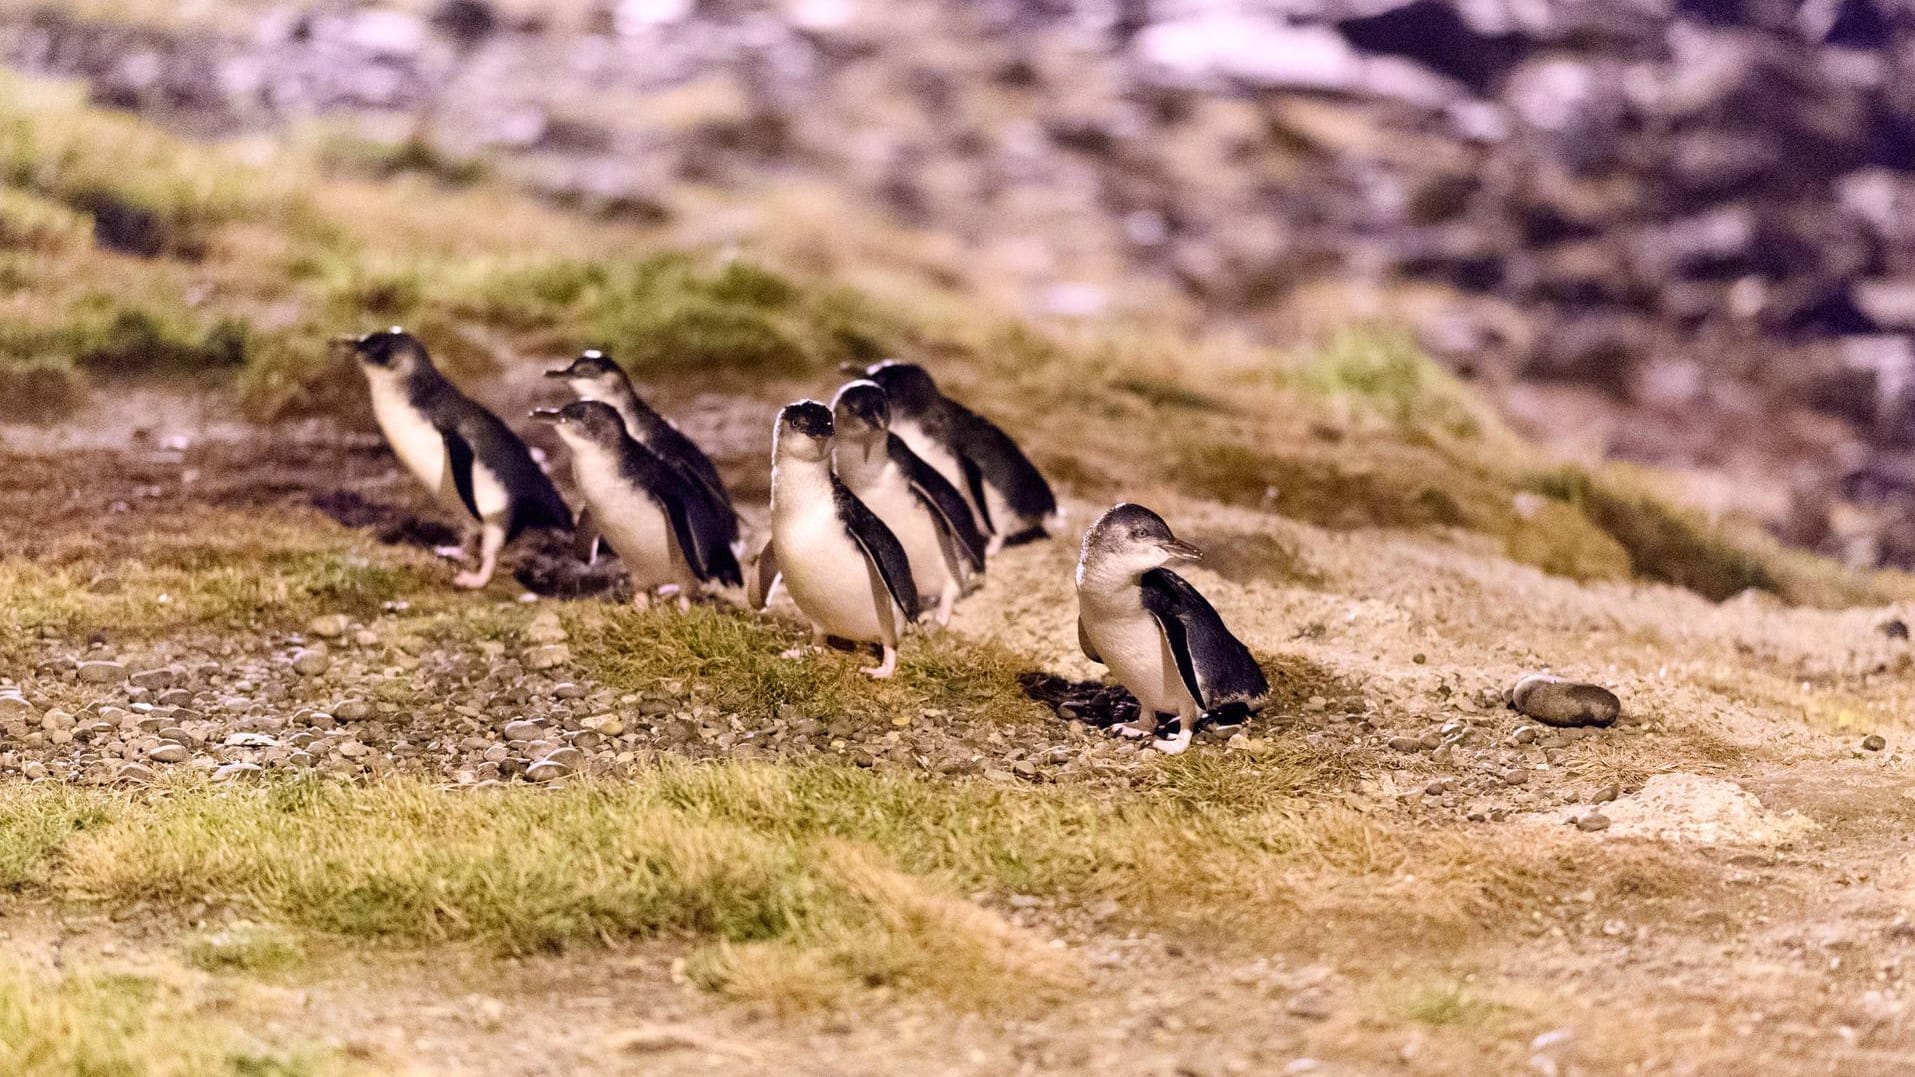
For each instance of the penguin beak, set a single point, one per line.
(1179, 550)
(561, 372)
(852, 370)
(547, 415)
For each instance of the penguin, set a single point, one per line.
(844, 569)
(1004, 488)
(661, 524)
(919, 505)
(594, 376)
(1156, 632)
(466, 455)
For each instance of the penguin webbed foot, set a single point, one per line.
(884, 668)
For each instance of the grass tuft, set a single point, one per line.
(1663, 543)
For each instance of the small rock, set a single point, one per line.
(230, 771)
(1558, 702)
(352, 710)
(156, 680)
(1405, 744)
(521, 729)
(1310, 1005)
(1894, 629)
(330, 625)
(546, 770)
(312, 662)
(136, 772)
(1874, 742)
(170, 752)
(14, 705)
(549, 656)
(100, 672)
(1593, 821)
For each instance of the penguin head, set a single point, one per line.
(861, 411)
(392, 351)
(803, 432)
(910, 389)
(1130, 540)
(593, 375)
(585, 421)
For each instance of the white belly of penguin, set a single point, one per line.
(422, 449)
(892, 500)
(633, 524)
(827, 573)
(1132, 644)
(940, 458)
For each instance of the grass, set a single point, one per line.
(209, 569)
(797, 884)
(1664, 543)
(245, 947)
(80, 1024)
(735, 657)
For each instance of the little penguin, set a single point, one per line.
(594, 376)
(919, 505)
(1004, 488)
(845, 570)
(466, 455)
(1157, 634)
(661, 524)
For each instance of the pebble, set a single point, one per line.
(546, 770)
(1406, 744)
(1874, 742)
(156, 680)
(230, 771)
(549, 656)
(520, 729)
(170, 752)
(136, 772)
(352, 710)
(1309, 1005)
(330, 625)
(102, 672)
(312, 662)
(14, 705)
(1558, 702)
(1593, 821)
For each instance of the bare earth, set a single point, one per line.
(1760, 923)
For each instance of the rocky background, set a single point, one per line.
(1675, 231)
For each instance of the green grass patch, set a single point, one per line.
(1385, 371)
(245, 947)
(800, 879)
(1663, 543)
(736, 656)
(1446, 1004)
(92, 1024)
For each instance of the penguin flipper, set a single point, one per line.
(881, 547)
(459, 457)
(1084, 644)
(585, 536)
(1214, 665)
(947, 506)
(680, 519)
(712, 528)
(974, 478)
(764, 578)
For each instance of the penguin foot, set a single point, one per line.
(800, 652)
(1172, 745)
(471, 581)
(1141, 728)
(450, 553)
(884, 669)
